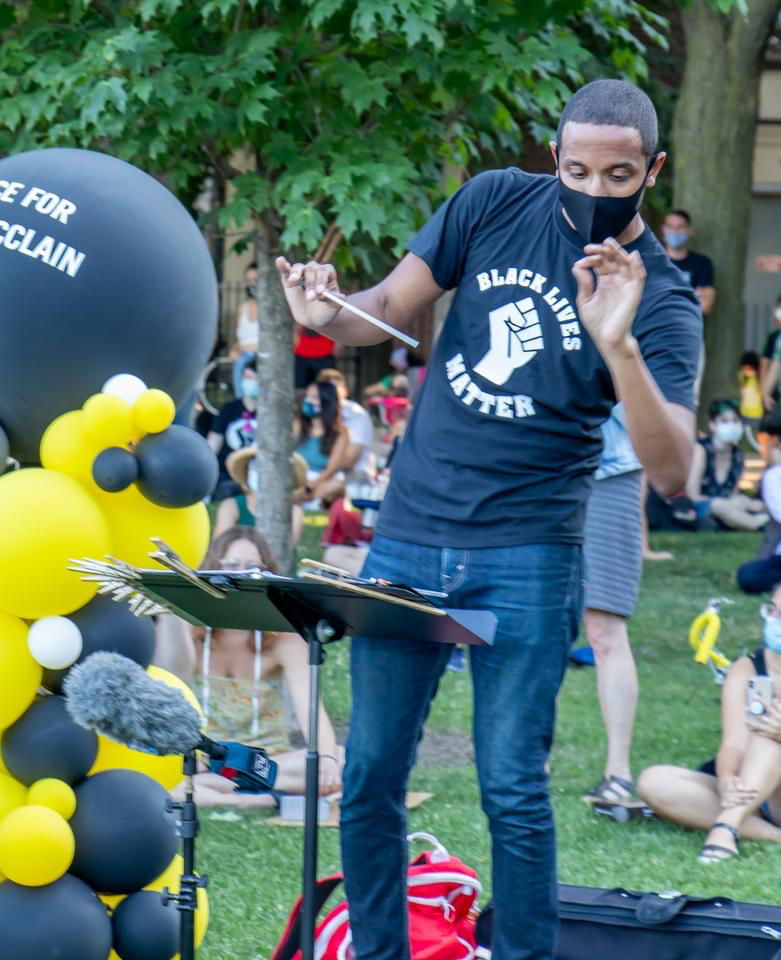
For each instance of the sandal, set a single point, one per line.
(611, 790)
(715, 852)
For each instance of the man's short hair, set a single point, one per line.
(613, 103)
(332, 375)
(681, 213)
(251, 365)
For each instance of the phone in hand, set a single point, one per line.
(759, 695)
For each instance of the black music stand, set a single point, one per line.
(323, 605)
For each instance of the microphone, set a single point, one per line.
(116, 697)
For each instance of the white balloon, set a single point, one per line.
(55, 642)
(125, 385)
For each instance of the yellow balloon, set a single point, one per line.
(12, 794)
(36, 846)
(133, 519)
(55, 794)
(153, 412)
(46, 519)
(170, 878)
(165, 676)
(108, 420)
(167, 771)
(66, 448)
(20, 675)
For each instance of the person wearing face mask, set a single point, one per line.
(564, 301)
(716, 469)
(245, 347)
(696, 267)
(322, 440)
(738, 793)
(234, 428)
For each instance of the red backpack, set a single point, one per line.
(441, 892)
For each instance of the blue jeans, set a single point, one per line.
(536, 591)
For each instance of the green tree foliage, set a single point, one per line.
(350, 109)
(319, 119)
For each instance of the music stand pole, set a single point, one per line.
(315, 638)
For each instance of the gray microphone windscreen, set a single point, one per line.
(115, 696)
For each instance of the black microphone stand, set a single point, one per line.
(187, 828)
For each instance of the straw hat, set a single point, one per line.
(237, 465)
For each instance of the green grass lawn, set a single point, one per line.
(255, 868)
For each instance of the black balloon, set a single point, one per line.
(115, 469)
(103, 271)
(106, 625)
(145, 929)
(176, 468)
(45, 742)
(125, 837)
(63, 920)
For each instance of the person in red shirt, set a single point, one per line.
(313, 352)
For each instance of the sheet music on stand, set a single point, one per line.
(252, 601)
(255, 599)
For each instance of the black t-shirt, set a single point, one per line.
(237, 425)
(505, 435)
(697, 268)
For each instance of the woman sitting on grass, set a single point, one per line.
(716, 469)
(738, 793)
(240, 679)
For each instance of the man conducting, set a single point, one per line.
(564, 302)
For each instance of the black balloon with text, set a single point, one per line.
(102, 271)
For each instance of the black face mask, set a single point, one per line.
(597, 218)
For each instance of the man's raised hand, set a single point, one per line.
(304, 285)
(607, 308)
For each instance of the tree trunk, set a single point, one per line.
(275, 408)
(713, 152)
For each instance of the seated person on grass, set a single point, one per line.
(323, 441)
(359, 459)
(739, 792)
(239, 511)
(240, 679)
(715, 471)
